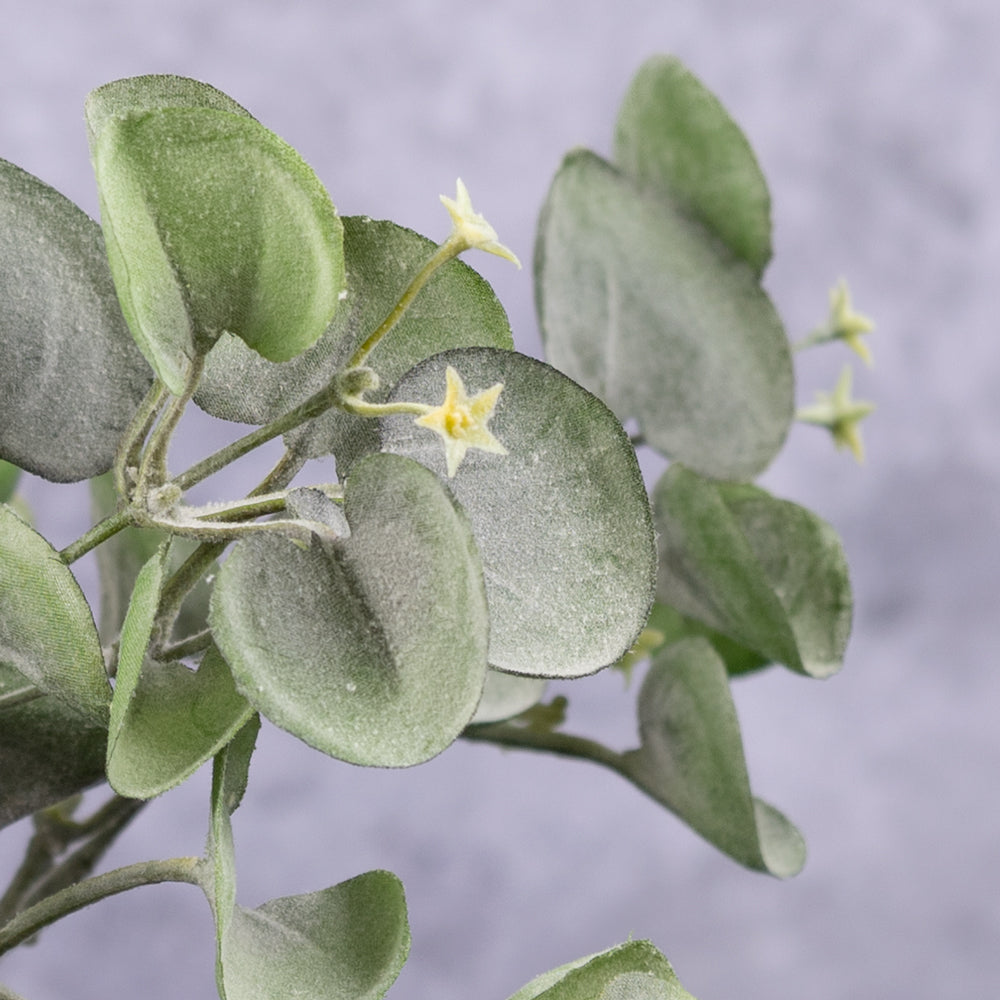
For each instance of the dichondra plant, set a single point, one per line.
(487, 529)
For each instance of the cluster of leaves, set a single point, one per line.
(429, 592)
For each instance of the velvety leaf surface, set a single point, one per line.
(372, 648)
(691, 760)
(47, 751)
(347, 942)
(456, 308)
(70, 375)
(631, 971)
(561, 521)
(47, 632)
(215, 225)
(675, 138)
(765, 572)
(642, 305)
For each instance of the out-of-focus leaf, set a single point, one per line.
(675, 138)
(767, 573)
(47, 751)
(213, 225)
(642, 305)
(70, 375)
(372, 648)
(506, 695)
(347, 942)
(9, 475)
(691, 760)
(456, 308)
(631, 971)
(561, 521)
(47, 632)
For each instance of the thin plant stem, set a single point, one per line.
(100, 532)
(507, 734)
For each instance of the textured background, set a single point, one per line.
(876, 125)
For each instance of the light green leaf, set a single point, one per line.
(70, 375)
(456, 308)
(765, 572)
(631, 971)
(47, 632)
(643, 306)
(562, 520)
(507, 695)
(47, 751)
(691, 760)
(9, 475)
(673, 137)
(371, 648)
(166, 720)
(214, 225)
(347, 942)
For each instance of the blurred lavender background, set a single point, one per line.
(877, 127)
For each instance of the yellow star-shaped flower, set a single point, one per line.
(840, 414)
(461, 420)
(847, 325)
(469, 229)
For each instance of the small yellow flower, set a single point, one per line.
(470, 230)
(847, 325)
(461, 420)
(840, 414)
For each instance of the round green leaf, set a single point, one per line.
(347, 942)
(640, 303)
(691, 759)
(562, 520)
(70, 375)
(456, 308)
(215, 225)
(47, 632)
(372, 648)
(674, 137)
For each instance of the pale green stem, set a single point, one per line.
(19, 696)
(132, 441)
(361, 408)
(821, 335)
(75, 897)
(100, 532)
(507, 734)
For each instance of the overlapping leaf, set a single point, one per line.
(506, 695)
(70, 375)
(561, 521)
(691, 759)
(675, 138)
(642, 304)
(47, 632)
(372, 647)
(213, 225)
(456, 308)
(769, 574)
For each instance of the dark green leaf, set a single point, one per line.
(691, 759)
(9, 475)
(641, 304)
(214, 225)
(347, 942)
(47, 632)
(456, 308)
(47, 751)
(674, 137)
(767, 573)
(70, 375)
(631, 971)
(562, 520)
(371, 648)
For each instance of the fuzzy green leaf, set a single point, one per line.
(642, 305)
(47, 632)
(47, 751)
(372, 648)
(347, 942)
(691, 759)
(457, 308)
(674, 137)
(562, 520)
(631, 971)
(767, 573)
(70, 375)
(214, 225)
